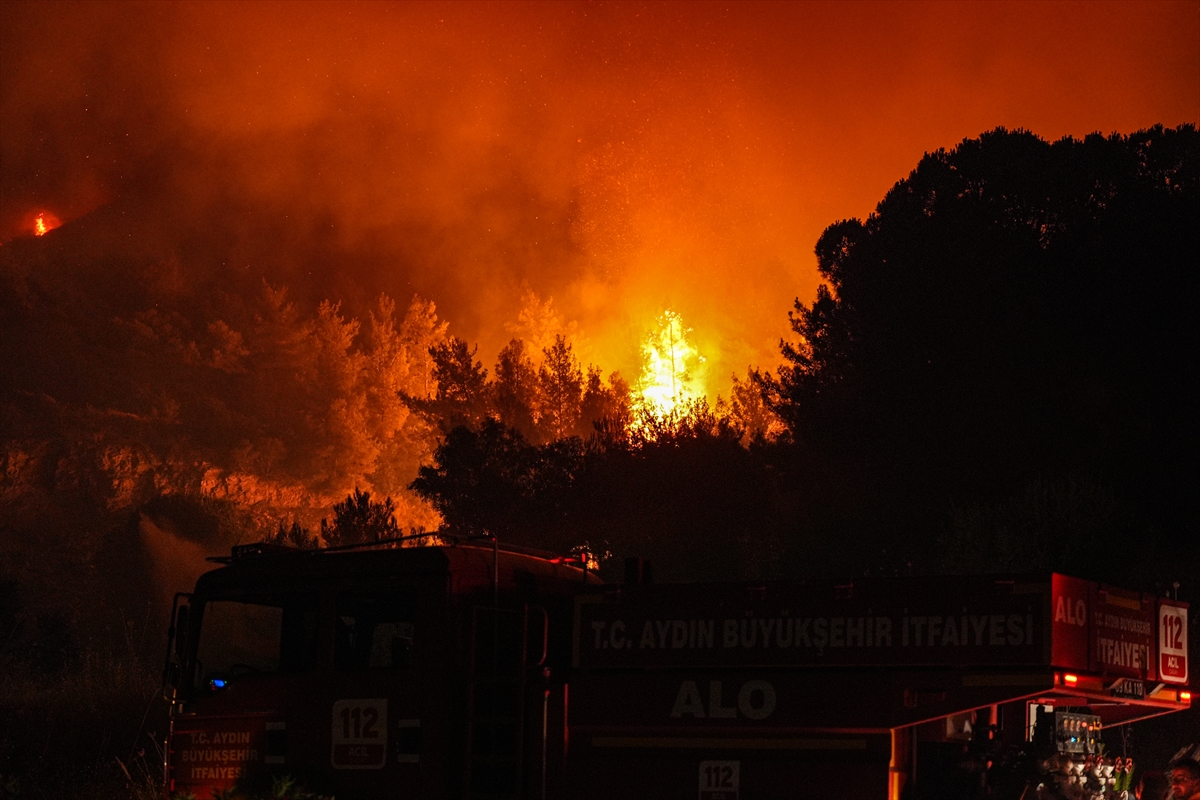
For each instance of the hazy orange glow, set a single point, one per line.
(619, 157)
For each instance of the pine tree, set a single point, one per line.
(608, 405)
(561, 383)
(515, 391)
(420, 332)
(359, 519)
(461, 397)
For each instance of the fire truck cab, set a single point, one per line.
(484, 671)
(405, 672)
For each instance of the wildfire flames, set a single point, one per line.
(44, 223)
(673, 371)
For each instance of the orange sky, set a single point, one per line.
(619, 157)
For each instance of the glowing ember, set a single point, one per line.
(44, 223)
(673, 370)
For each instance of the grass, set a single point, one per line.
(92, 729)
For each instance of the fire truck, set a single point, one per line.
(476, 670)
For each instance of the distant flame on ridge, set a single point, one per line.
(44, 223)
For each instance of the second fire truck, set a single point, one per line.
(481, 671)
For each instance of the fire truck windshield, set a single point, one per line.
(239, 638)
(375, 629)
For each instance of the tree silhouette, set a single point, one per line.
(561, 384)
(293, 536)
(750, 411)
(359, 519)
(610, 404)
(480, 480)
(691, 496)
(461, 395)
(515, 391)
(1014, 311)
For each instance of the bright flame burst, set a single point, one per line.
(44, 223)
(673, 371)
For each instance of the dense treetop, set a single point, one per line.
(1015, 314)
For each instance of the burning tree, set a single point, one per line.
(673, 371)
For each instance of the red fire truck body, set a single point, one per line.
(482, 671)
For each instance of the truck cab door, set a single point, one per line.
(375, 695)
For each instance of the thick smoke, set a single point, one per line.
(620, 158)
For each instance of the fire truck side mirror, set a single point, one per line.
(182, 629)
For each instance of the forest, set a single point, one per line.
(993, 377)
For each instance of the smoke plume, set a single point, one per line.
(620, 158)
